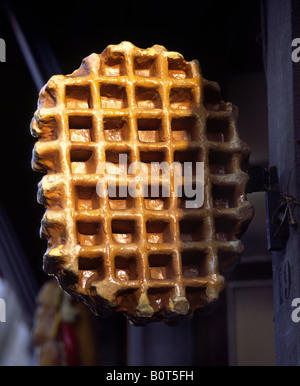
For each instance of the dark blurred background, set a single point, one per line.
(226, 39)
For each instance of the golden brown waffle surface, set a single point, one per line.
(149, 256)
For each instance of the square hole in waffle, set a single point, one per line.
(161, 266)
(194, 263)
(196, 295)
(82, 160)
(81, 128)
(118, 160)
(226, 228)
(54, 200)
(124, 231)
(156, 197)
(187, 196)
(91, 269)
(220, 162)
(145, 66)
(185, 129)
(126, 268)
(152, 159)
(128, 297)
(78, 97)
(113, 96)
(212, 99)
(194, 229)
(227, 261)
(182, 98)
(119, 197)
(179, 69)
(159, 231)
(116, 129)
(89, 233)
(188, 159)
(159, 298)
(150, 130)
(49, 162)
(56, 233)
(224, 196)
(148, 98)
(218, 130)
(48, 130)
(113, 65)
(86, 198)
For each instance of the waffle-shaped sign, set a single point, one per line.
(145, 185)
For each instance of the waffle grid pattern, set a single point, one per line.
(147, 256)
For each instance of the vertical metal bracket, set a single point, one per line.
(265, 179)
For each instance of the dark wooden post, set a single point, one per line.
(282, 25)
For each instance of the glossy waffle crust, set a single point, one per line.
(149, 256)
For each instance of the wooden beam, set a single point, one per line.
(281, 26)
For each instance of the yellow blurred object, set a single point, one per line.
(54, 310)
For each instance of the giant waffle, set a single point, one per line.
(149, 256)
